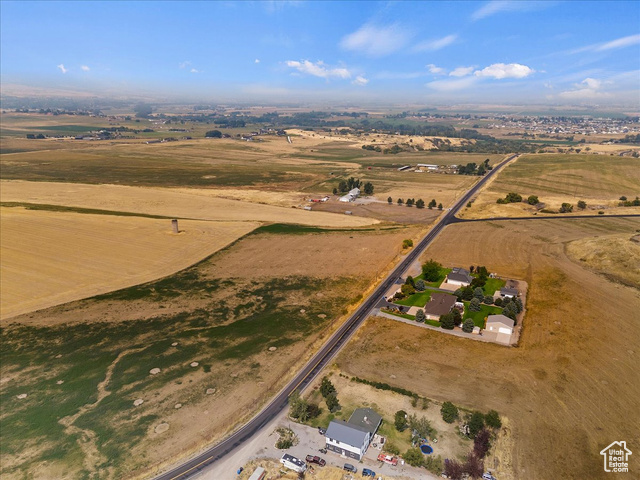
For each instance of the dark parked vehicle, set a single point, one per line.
(321, 431)
(368, 473)
(350, 468)
(315, 459)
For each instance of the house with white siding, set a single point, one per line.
(351, 439)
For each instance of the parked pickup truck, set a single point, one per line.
(388, 459)
(315, 459)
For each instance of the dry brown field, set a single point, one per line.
(381, 139)
(352, 395)
(246, 316)
(193, 204)
(50, 258)
(596, 179)
(616, 256)
(569, 389)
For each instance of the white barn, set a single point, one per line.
(351, 196)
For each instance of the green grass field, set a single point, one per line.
(478, 317)
(443, 273)
(492, 285)
(419, 299)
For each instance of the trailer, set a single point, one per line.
(293, 463)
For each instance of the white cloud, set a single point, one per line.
(360, 81)
(461, 72)
(619, 43)
(62, 69)
(622, 42)
(318, 69)
(588, 89)
(452, 85)
(435, 70)
(193, 70)
(433, 45)
(376, 41)
(502, 70)
(257, 60)
(184, 64)
(499, 6)
(85, 68)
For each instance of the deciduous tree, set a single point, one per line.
(449, 412)
(431, 270)
(400, 420)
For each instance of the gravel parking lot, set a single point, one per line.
(310, 442)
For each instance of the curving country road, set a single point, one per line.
(335, 343)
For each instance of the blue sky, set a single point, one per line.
(559, 52)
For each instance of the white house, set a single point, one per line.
(459, 276)
(293, 463)
(351, 439)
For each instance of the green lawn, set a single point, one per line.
(443, 273)
(478, 317)
(419, 299)
(492, 285)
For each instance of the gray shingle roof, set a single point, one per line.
(460, 275)
(509, 291)
(366, 418)
(348, 433)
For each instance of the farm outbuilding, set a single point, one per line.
(502, 326)
(351, 196)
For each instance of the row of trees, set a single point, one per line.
(410, 202)
(302, 410)
(330, 394)
(513, 197)
(347, 185)
(410, 287)
(474, 168)
(629, 203)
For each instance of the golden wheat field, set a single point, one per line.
(49, 258)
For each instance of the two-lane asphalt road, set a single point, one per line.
(332, 346)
